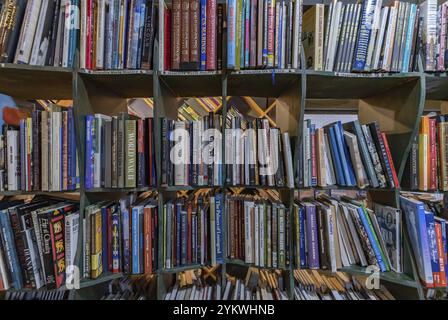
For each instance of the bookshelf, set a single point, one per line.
(396, 101)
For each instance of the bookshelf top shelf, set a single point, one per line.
(35, 82)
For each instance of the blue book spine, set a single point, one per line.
(116, 39)
(370, 235)
(302, 244)
(10, 251)
(126, 240)
(231, 33)
(432, 240)
(364, 33)
(246, 34)
(312, 240)
(71, 140)
(203, 31)
(280, 30)
(135, 241)
(409, 34)
(313, 181)
(74, 30)
(140, 34)
(127, 14)
(443, 226)
(178, 233)
(337, 160)
(183, 224)
(141, 241)
(104, 238)
(116, 256)
(194, 239)
(23, 166)
(90, 125)
(365, 154)
(346, 154)
(167, 229)
(218, 221)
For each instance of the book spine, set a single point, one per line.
(185, 35)
(130, 155)
(148, 39)
(271, 33)
(141, 163)
(364, 33)
(195, 34)
(90, 124)
(12, 258)
(176, 34)
(15, 18)
(58, 248)
(432, 154)
(312, 237)
(211, 25)
(391, 161)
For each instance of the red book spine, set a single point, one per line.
(210, 63)
(432, 155)
(175, 35)
(194, 33)
(167, 40)
(147, 220)
(89, 35)
(109, 240)
(442, 273)
(185, 34)
(313, 159)
(253, 34)
(64, 150)
(150, 152)
(391, 162)
(189, 233)
(140, 153)
(58, 248)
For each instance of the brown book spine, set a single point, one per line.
(220, 39)
(175, 35)
(210, 63)
(185, 34)
(194, 34)
(147, 231)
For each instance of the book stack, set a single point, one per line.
(258, 285)
(348, 154)
(427, 168)
(121, 236)
(37, 295)
(120, 152)
(263, 34)
(131, 288)
(193, 35)
(193, 230)
(117, 34)
(39, 32)
(38, 243)
(258, 230)
(367, 36)
(191, 285)
(40, 155)
(256, 153)
(434, 35)
(427, 234)
(331, 234)
(314, 285)
(191, 151)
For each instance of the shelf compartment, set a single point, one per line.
(182, 268)
(261, 83)
(124, 83)
(334, 85)
(239, 262)
(193, 83)
(436, 86)
(35, 82)
(390, 276)
(105, 277)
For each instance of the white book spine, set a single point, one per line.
(288, 160)
(261, 226)
(12, 137)
(247, 227)
(66, 39)
(246, 158)
(283, 35)
(29, 25)
(333, 37)
(71, 238)
(83, 35)
(374, 34)
(257, 234)
(161, 18)
(100, 35)
(297, 34)
(389, 39)
(380, 38)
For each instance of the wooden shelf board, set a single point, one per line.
(105, 277)
(124, 83)
(241, 263)
(49, 193)
(348, 188)
(35, 82)
(193, 83)
(390, 276)
(334, 85)
(182, 188)
(182, 268)
(121, 190)
(262, 83)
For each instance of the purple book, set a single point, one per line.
(311, 236)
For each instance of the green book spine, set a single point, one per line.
(239, 30)
(130, 156)
(372, 229)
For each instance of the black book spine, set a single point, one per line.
(263, 177)
(49, 61)
(280, 172)
(192, 166)
(252, 164)
(8, 54)
(211, 164)
(45, 235)
(170, 168)
(36, 121)
(103, 154)
(148, 36)
(164, 126)
(376, 135)
(219, 36)
(46, 32)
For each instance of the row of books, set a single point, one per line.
(314, 285)
(41, 153)
(37, 295)
(428, 238)
(120, 152)
(121, 236)
(427, 166)
(192, 285)
(193, 35)
(366, 37)
(131, 288)
(39, 32)
(191, 151)
(258, 230)
(264, 34)
(330, 234)
(348, 154)
(257, 153)
(38, 243)
(117, 34)
(193, 230)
